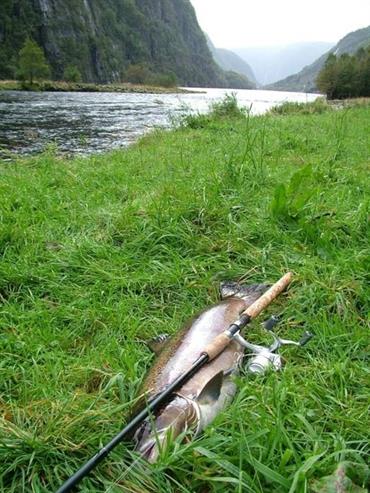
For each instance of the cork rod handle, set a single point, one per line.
(273, 292)
(222, 340)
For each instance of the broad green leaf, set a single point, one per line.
(279, 202)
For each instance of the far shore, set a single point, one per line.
(62, 86)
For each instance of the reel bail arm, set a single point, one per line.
(266, 357)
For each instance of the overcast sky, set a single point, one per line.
(244, 23)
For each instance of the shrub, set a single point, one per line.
(195, 120)
(227, 108)
(137, 74)
(72, 74)
(168, 79)
(320, 105)
(142, 74)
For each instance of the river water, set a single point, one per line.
(85, 123)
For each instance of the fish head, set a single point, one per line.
(156, 432)
(248, 292)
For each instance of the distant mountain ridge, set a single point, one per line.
(272, 63)
(305, 79)
(103, 38)
(228, 60)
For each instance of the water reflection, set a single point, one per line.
(84, 123)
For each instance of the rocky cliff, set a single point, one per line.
(103, 38)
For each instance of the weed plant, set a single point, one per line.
(99, 254)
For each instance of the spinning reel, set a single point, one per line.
(264, 358)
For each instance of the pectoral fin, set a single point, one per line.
(211, 392)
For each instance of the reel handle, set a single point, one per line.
(307, 336)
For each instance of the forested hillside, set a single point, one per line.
(305, 80)
(105, 38)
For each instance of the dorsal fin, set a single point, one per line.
(228, 288)
(211, 391)
(158, 343)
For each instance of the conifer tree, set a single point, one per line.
(327, 78)
(364, 68)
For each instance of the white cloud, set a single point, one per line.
(242, 23)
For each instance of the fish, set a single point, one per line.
(196, 404)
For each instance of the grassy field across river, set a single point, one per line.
(61, 86)
(100, 254)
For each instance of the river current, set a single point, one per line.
(86, 123)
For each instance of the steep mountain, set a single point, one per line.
(105, 37)
(272, 63)
(305, 79)
(228, 60)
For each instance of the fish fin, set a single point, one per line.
(228, 288)
(158, 343)
(211, 392)
(232, 288)
(230, 371)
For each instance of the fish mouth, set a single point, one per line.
(149, 452)
(151, 448)
(153, 437)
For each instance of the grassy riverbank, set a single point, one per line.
(61, 86)
(101, 253)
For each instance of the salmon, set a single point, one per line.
(211, 389)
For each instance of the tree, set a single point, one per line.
(32, 63)
(347, 76)
(327, 79)
(364, 72)
(72, 74)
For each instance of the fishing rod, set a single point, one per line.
(208, 354)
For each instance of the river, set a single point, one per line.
(85, 123)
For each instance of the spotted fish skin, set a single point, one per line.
(211, 389)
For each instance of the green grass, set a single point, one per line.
(318, 106)
(101, 253)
